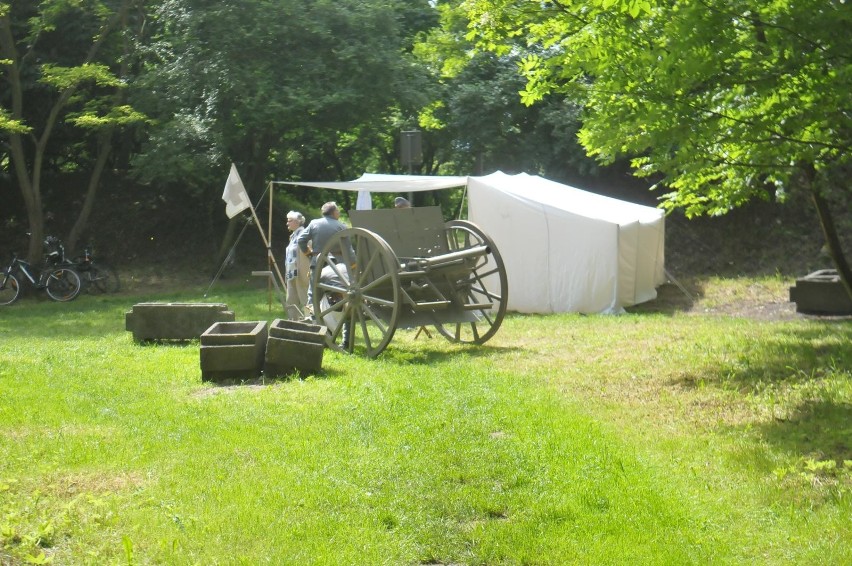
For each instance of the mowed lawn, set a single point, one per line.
(644, 438)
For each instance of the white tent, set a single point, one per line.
(565, 250)
(568, 250)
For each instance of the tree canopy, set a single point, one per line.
(720, 101)
(65, 65)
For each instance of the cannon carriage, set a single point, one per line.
(407, 268)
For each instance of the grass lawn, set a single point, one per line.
(646, 438)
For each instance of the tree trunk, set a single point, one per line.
(104, 150)
(30, 189)
(104, 141)
(832, 241)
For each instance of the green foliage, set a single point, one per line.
(63, 78)
(725, 101)
(67, 63)
(478, 121)
(293, 88)
(116, 116)
(8, 124)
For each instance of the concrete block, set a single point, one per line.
(233, 350)
(174, 321)
(821, 292)
(284, 357)
(294, 347)
(295, 330)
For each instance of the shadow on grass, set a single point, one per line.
(804, 367)
(194, 343)
(821, 430)
(792, 355)
(265, 380)
(671, 298)
(427, 356)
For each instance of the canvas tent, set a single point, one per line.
(565, 249)
(568, 250)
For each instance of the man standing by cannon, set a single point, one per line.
(318, 233)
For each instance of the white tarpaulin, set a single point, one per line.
(565, 249)
(568, 250)
(378, 183)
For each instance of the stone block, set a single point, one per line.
(174, 321)
(294, 347)
(295, 330)
(233, 350)
(821, 292)
(284, 357)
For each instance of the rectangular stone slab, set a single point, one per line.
(821, 292)
(234, 333)
(174, 321)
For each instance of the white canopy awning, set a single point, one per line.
(379, 183)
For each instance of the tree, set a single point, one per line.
(271, 84)
(724, 100)
(297, 89)
(477, 122)
(62, 80)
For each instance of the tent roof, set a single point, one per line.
(538, 191)
(378, 183)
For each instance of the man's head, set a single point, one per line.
(400, 202)
(330, 209)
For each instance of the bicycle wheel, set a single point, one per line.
(63, 284)
(104, 278)
(10, 289)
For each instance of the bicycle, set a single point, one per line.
(97, 276)
(60, 282)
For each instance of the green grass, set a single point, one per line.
(647, 438)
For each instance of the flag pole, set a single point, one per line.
(271, 253)
(236, 200)
(270, 256)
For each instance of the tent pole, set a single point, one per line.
(228, 256)
(271, 253)
(678, 285)
(461, 203)
(270, 256)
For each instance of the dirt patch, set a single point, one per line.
(746, 298)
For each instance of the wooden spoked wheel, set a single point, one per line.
(485, 284)
(356, 292)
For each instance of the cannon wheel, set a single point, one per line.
(475, 289)
(366, 292)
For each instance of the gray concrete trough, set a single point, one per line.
(233, 351)
(294, 347)
(821, 292)
(174, 321)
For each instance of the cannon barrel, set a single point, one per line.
(452, 257)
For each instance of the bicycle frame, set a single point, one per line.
(23, 267)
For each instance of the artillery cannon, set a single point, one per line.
(406, 268)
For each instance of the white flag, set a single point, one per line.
(235, 196)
